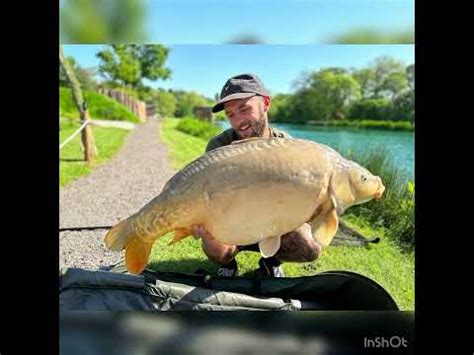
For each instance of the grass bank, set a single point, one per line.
(108, 141)
(388, 125)
(396, 210)
(100, 107)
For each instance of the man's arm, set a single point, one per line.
(212, 144)
(222, 139)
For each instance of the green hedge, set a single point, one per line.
(392, 125)
(198, 128)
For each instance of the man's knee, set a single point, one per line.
(219, 253)
(299, 246)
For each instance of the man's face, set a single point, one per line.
(247, 116)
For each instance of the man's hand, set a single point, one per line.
(218, 252)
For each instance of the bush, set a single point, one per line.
(220, 116)
(370, 109)
(395, 211)
(100, 107)
(165, 103)
(393, 125)
(198, 128)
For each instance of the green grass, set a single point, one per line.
(100, 107)
(184, 148)
(198, 128)
(385, 263)
(108, 142)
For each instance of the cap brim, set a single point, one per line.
(240, 95)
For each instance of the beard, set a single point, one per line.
(256, 128)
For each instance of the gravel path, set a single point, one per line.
(110, 193)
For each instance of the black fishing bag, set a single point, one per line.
(118, 290)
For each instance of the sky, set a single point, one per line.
(205, 68)
(273, 21)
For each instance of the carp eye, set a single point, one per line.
(363, 178)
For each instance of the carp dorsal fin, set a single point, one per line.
(269, 247)
(247, 140)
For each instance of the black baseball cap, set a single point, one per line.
(240, 87)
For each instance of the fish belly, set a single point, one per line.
(247, 215)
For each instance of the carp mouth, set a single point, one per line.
(378, 194)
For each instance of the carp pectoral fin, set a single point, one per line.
(179, 234)
(332, 201)
(325, 227)
(137, 253)
(269, 247)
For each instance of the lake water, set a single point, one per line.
(399, 144)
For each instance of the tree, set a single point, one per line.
(119, 64)
(366, 79)
(410, 73)
(370, 109)
(152, 58)
(187, 101)
(165, 103)
(129, 65)
(389, 77)
(302, 81)
(404, 106)
(326, 94)
(404, 103)
(85, 76)
(145, 93)
(280, 109)
(90, 149)
(102, 21)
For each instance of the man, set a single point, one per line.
(246, 103)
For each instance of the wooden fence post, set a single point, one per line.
(87, 138)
